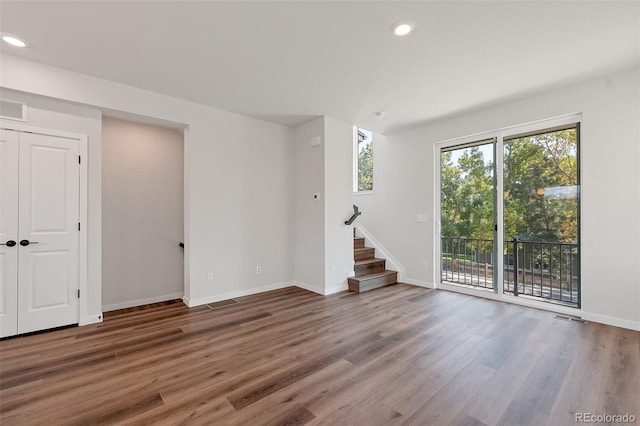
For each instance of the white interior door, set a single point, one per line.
(8, 233)
(48, 232)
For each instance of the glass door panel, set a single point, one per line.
(467, 215)
(541, 199)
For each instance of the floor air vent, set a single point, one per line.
(13, 110)
(221, 304)
(570, 318)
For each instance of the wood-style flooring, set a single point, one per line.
(395, 355)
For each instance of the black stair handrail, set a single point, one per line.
(356, 213)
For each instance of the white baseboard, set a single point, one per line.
(602, 319)
(530, 303)
(139, 302)
(616, 322)
(233, 294)
(309, 287)
(418, 283)
(336, 289)
(318, 290)
(91, 319)
(255, 290)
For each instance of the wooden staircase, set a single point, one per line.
(370, 271)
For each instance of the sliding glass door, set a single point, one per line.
(524, 189)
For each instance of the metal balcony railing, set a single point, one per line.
(467, 261)
(543, 269)
(538, 269)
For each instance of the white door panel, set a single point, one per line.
(8, 294)
(49, 280)
(49, 211)
(48, 189)
(8, 232)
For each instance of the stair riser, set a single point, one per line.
(358, 243)
(365, 285)
(371, 268)
(364, 254)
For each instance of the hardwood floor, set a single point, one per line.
(396, 355)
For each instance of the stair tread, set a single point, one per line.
(373, 276)
(367, 261)
(363, 248)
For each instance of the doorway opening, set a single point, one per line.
(142, 213)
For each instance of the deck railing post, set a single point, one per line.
(515, 266)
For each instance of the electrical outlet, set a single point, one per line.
(333, 269)
(258, 269)
(210, 277)
(425, 265)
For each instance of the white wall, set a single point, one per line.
(63, 116)
(323, 244)
(238, 201)
(338, 178)
(610, 149)
(142, 213)
(308, 242)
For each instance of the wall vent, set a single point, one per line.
(13, 110)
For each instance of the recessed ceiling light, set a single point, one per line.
(402, 28)
(13, 40)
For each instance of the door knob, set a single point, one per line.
(25, 243)
(9, 243)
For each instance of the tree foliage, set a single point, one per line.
(467, 196)
(365, 167)
(540, 189)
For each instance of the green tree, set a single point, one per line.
(467, 195)
(450, 202)
(365, 167)
(540, 181)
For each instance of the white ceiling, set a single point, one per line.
(289, 61)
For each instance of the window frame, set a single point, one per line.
(356, 164)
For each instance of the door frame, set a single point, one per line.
(499, 135)
(83, 141)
